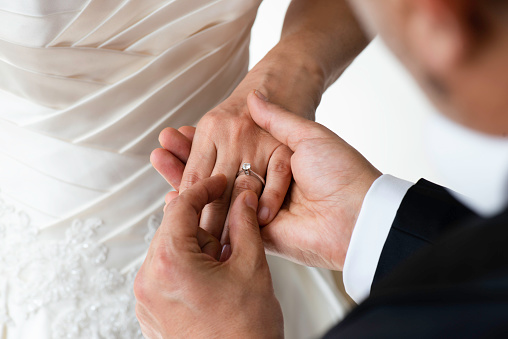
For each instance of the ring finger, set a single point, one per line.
(243, 183)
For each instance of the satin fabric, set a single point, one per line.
(85, 89)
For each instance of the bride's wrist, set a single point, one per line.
(289, 78)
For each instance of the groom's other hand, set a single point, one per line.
(183, 292)
(331, 179)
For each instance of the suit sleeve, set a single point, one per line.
(374, 221)
(427, 212)
(442, 274)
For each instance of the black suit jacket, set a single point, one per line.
(443, 273)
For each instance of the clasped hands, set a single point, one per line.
(186, 288)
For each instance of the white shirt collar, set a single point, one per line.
(472, 163)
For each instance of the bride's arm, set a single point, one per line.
(319, 40)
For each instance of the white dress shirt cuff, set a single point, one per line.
(370, 233)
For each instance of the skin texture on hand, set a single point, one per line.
(182, 292)
(330, 181)
(319, 39)
(226, 138)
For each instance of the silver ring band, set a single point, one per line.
(246, 170)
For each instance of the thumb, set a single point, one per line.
(245, 237)
(283, 125)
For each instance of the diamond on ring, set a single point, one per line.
(247, 170)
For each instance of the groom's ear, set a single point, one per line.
(436, 33)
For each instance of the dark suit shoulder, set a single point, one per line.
(427, 212)
(457, 288)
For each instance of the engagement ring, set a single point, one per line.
(246, 169)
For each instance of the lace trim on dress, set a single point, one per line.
(65, 277)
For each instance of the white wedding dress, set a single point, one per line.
(85, 88)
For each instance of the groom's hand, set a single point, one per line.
(331, 179)
(183, 292)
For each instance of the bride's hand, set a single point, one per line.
(226, 137)
(331, 179)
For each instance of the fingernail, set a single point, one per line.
(252, 200)
(226, 253)
(260, 95)
(264, 213)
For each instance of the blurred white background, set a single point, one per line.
(375, 106)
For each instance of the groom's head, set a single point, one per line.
(456, 49)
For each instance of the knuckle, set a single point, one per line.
(190, 179)
(250, 221)
(233, 123)
(244, 183)
(242, 128)
(273, 194)
(210, 119)
(281, 167)
(219, 205)
(162, 266)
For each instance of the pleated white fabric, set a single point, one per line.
(85, 88)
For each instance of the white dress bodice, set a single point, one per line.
(85, 88)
